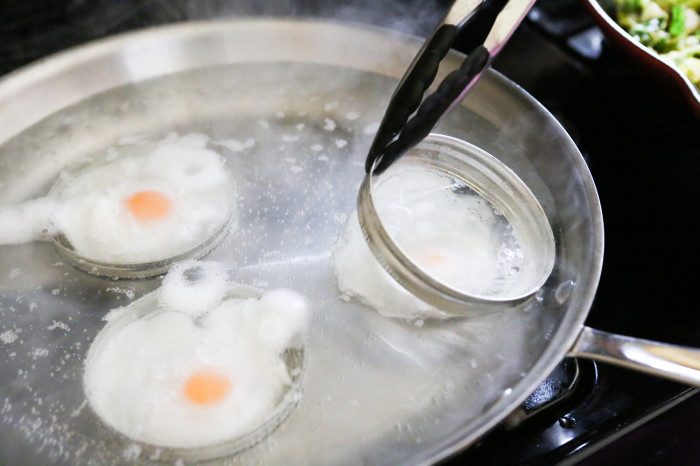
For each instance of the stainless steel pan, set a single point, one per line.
(309, 94)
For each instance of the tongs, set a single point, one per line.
(409, 118)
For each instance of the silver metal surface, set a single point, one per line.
(674, 362)
(460, 11)
(506, 23)
(310, 94)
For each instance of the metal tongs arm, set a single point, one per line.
(399, 130)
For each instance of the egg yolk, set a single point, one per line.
(206, 387)
(148, 206)
(430, 257)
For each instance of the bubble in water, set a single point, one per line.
(8, 336)
(132, 452)
(331, 105)
(329, 125)
(39, 353)
(57, 324)
(371, 128)
(563, 291)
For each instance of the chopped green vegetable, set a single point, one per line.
(677, 21)
(631, 5)
(670, 28)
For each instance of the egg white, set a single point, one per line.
(360, 276)
(459, 240)
(88, 206)
(93, 216)
(136, 369)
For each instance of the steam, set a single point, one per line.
(29, 34)
(409, 16)
(106, 16)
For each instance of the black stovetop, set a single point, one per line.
(644, 159)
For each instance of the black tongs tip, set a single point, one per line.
(409, 118)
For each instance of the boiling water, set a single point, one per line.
(294, 136)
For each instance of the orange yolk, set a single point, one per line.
(148, 206)
(206, 387)
(429, 257)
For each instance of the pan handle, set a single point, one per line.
(679, 363)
